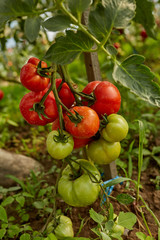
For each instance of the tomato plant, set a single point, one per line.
(88, 124)
(116, 128)
(1, 94)
(107, 97)
(30, 78)
(35, 113)
(103, 152)
(59, 146)
(63, 227)
(82, 190)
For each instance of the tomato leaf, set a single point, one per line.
(144, 15)
(124, 198)
(127, 220)
(105, 236)
(133, 74)
(78, 5)
(96, 216)
(10, 9)
(67, 48)
(57, 23)
(3, 215)
(25, 236)
(32, 27)
(113, 13)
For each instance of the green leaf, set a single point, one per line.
(144, 16)
(20, 200)
(96, 216)
(2, 233)
(57, 23)
(133, 74)
(17, 180)
(11, 122)
(32, 27)
(141, 235)
(25, 236)
(67, 48)
(39, 204)
(13, 230)
(10, 9)
(116, 181)
(105, 236)
(7, 201)
(109, 225)
(113, 13)
(51, 236)
(75, 238)
(124, 198)
(3, 215)
(127, 220)
(78, 6)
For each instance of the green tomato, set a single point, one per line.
(103, 152)
(59, 148)
(116, 129)
(83, 190)
(63, 229)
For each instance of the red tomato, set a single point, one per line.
(30, 78)
(90, 88)
(88, 126)
(107, 98)
(31, 116)
(65, 93)
(78, 142)
(143, 34)
(1, 94)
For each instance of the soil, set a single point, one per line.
(148, 192)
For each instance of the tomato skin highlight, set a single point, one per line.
(107, 98)
(1, 94)
(103, 152)
(32, 117)
(88, 126)
(63, 229)
(116, 129)
(81, 191)
(78, 142)
(65, 93)
(59, 150)
(30, 78)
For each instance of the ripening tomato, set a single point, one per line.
(78, 142)
(107, 98)
(83, 190)
(103, 152)
(1, 94)
(32, 117)
(65, 93)
(87, 127)
(30, 78)
(116, 129)
(62, 229)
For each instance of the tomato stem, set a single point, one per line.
(75, 173)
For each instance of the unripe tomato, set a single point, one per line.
(83, 190)
(116, 129)
(1, 94)
(87, 127)
(59, 149)
(65, 93)
(30, 78)
(103, 152)
(63, 229)
(107, 98)
(50, 108)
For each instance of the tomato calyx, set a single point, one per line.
(61, 137)
(90, 98)
(104, 121)
(39, 108)
(43, 71)
(75, 118)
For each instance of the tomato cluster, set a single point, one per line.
(88, 118)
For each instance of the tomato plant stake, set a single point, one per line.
(94, 74)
